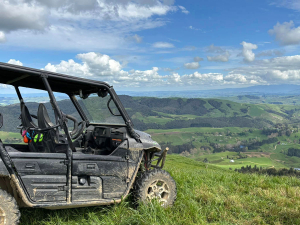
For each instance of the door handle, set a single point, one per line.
(90, 166)
(30, 166)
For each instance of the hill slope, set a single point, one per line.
(205, 195)
(170, 113)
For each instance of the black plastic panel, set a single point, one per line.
(90, 190)
(43, 188)
(99, 168)
(113, 187)
(37, 166)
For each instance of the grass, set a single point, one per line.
(220, 160)
(206, 194)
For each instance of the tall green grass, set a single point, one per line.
(206, 195)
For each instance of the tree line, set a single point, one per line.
(269, 171)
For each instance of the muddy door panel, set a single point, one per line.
(43, 175)
(111, 170)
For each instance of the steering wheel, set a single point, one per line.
(75, 133)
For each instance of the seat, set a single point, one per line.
(26, 118)
(28, 123)
(52, 141)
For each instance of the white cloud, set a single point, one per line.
(102, 67)
(76, 24)
(137, 38)
(14, 15)
(220, 54)
(192, 65)
(2, 37)
(183, 9)
(278, 70)
(193, 28)
(273, 52)
(15, 62)
(219, 58)
(198, 59)
(93, 64)
(248, 54)
(286, 33)
(235, 78)
(215, 49)
(163, 45)
(290, 4)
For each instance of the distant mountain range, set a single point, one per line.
(285, 89)
(280, 90)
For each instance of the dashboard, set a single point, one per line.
(103, 140)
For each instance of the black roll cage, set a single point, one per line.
(19, 76)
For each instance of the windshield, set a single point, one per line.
(97, 111)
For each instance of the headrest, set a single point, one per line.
(26, 117)
(43, 117)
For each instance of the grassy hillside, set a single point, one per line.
(197, 144)
(265, 99)
(172, 113)
(206, 194)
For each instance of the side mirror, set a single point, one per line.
(1, 120)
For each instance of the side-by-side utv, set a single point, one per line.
(78, 152)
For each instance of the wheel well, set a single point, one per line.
(7, 185)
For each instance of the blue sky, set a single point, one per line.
(156, 44)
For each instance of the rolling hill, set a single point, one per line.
(170, 113)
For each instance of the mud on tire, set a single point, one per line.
(9, 210)
(156, 184)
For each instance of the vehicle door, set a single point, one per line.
(97, 177)
(44, 175)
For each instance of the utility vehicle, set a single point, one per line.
(87, 156)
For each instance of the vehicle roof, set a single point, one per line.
(28, 77)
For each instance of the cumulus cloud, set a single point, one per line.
(2, 37)
(271, 71)
(70, 22)
(285, 69)
(92, 64)
(183, 9)
(102, 67)
(286, 33)
(14, 16)
(248, 54)
(219, 58)
(15, 62)
(192, 65)
(198, 59)
(163, 45)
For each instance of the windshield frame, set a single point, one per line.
(118, 104)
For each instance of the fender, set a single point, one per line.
(3, 171)
(147, 142)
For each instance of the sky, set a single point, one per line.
(156, 45)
